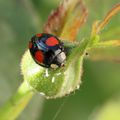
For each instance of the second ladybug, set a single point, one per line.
(47, 50)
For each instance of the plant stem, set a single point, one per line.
(17, 103)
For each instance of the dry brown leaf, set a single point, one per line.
(98, 26)
(67, 19)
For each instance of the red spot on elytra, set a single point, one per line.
(39, 56)
(52, 41)
(38, 35)
(30, 45)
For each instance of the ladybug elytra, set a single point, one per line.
(47, 50)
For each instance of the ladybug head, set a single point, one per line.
(58, 58)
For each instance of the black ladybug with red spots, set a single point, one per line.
(47, 50)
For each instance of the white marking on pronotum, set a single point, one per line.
(58, 74)
(41, 93)
(53, 79)
(46, 73)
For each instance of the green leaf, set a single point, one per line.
(55, 83)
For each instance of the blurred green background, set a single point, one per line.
(19, 20)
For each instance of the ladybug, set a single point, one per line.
(47, 50)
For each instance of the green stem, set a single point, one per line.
(17, 103)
